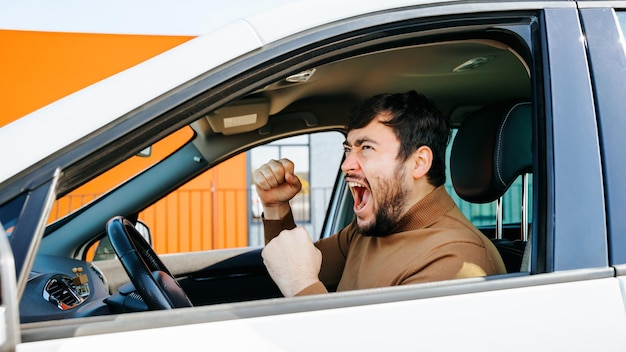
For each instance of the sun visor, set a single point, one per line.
(241, 116)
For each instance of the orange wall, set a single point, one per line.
(37, 68)
(195, 218)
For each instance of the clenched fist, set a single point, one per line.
(292, 261)
(276, 184)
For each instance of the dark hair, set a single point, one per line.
(416, 122)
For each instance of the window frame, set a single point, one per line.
(607, 64)
(571, 140)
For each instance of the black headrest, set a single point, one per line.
(491, 149)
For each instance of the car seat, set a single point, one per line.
(492, 148)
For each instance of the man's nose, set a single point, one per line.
(349, 163)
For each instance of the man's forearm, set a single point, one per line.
(273, 227)
(276, 211)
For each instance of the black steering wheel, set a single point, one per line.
(151, 279)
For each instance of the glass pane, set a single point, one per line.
(10, 212)
(117, 175)
(317, 158)
(260, 155)
(304, 139)
(300, 204)
(219, 208)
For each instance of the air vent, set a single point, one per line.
(60, 291)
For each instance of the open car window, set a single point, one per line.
(217, 208)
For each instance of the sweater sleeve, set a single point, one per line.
(333, 248)
(334, 251)
(452, 261)
(313, 289)
(272, 228)
(333, 262)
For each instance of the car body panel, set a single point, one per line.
(319, 14)
(387, 326)
(570, 299)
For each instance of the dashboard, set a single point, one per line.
(59, 288)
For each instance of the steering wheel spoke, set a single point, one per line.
(151, 278)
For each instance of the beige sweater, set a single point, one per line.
(433, 241)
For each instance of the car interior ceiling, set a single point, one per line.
(459, 76)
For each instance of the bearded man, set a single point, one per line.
(407, 229)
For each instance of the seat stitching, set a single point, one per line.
(499, 141)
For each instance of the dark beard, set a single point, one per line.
(389, 207)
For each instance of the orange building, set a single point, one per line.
(38, 68)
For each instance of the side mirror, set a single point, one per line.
(144, 230)
(104, 250)
(145, 153)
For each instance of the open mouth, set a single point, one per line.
(361, 195)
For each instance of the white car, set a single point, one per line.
(535, 93)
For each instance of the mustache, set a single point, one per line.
(355, 178)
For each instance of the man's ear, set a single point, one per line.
(422, 161)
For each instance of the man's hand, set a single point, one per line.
(276, 183)
(292, 261)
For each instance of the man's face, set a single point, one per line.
(380, 183)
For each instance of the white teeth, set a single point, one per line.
(354, 184)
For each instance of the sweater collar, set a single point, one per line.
(426, 211)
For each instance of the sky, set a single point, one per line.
(171, 17)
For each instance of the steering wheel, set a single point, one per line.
(151, 279)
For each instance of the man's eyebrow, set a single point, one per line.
(358, 142)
